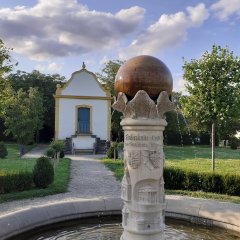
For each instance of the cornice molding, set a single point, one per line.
(82, 97)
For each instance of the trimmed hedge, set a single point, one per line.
(3, 150)
(16, 182)
(110, 152)
(178, 179)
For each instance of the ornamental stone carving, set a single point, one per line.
(143, 185)
(143, 85)
(142, 106)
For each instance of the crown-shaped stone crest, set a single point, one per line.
(142, 106)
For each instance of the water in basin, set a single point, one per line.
(109, 228)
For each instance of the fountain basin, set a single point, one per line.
(200, 211)
(110, 228)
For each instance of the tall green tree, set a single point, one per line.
(107, 78)
(108, 74)
(213, 84)
(23, 116)
(46, 85)
(5, 59)
(5, 67)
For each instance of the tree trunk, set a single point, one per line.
(114, 152)
(22, 150)
(37, 137)
(213, 146)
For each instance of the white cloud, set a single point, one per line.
(54, 67)
(225, 8)
(40, 68)
(49, 67)
(104, 60)
(168, 31)
(54, 28)
(179, 86)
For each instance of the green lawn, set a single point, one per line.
(195, 158)
(14, 163)
(198, 159)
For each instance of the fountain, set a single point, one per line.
(143, 86)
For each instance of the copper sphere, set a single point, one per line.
(143, 73)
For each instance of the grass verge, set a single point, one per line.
(13, 163)
(61, 178)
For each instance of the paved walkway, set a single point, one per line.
(89, 179)
(36, 152)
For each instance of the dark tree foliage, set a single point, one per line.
(5, 59)
(108, 74)
(5, 67)
(107, 78)
(46, 85)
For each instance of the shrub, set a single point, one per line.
(62, 154)
(43, 173)
(50, 152)
(212, 183)
(16, 182)
(232, 184)
(234, 143)
(110, 152)
(186, 180)
(192, 181)
(120, 146)
(57, 146)
(173, 178)
(3, 150)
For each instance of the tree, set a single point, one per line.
(5, 67)
(46, 85)
(213, 84)
(5, 59)
(108, 74)
(23, 116)
(107, 78)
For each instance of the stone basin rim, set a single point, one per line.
(205, 212)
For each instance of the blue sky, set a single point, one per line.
(56, 36)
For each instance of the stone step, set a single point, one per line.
(83, 151)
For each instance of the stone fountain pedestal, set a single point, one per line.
(143, 185)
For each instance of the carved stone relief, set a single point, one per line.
(126, 190)
(142, 106)
(164, 104)
(125, 214)
(147, 192)
(152, 159)
(143, 184)
(134, 158)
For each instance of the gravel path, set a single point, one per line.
(89, 179)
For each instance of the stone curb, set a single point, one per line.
(21, 221)
(205, 212)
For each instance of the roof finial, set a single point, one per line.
(83, 65)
